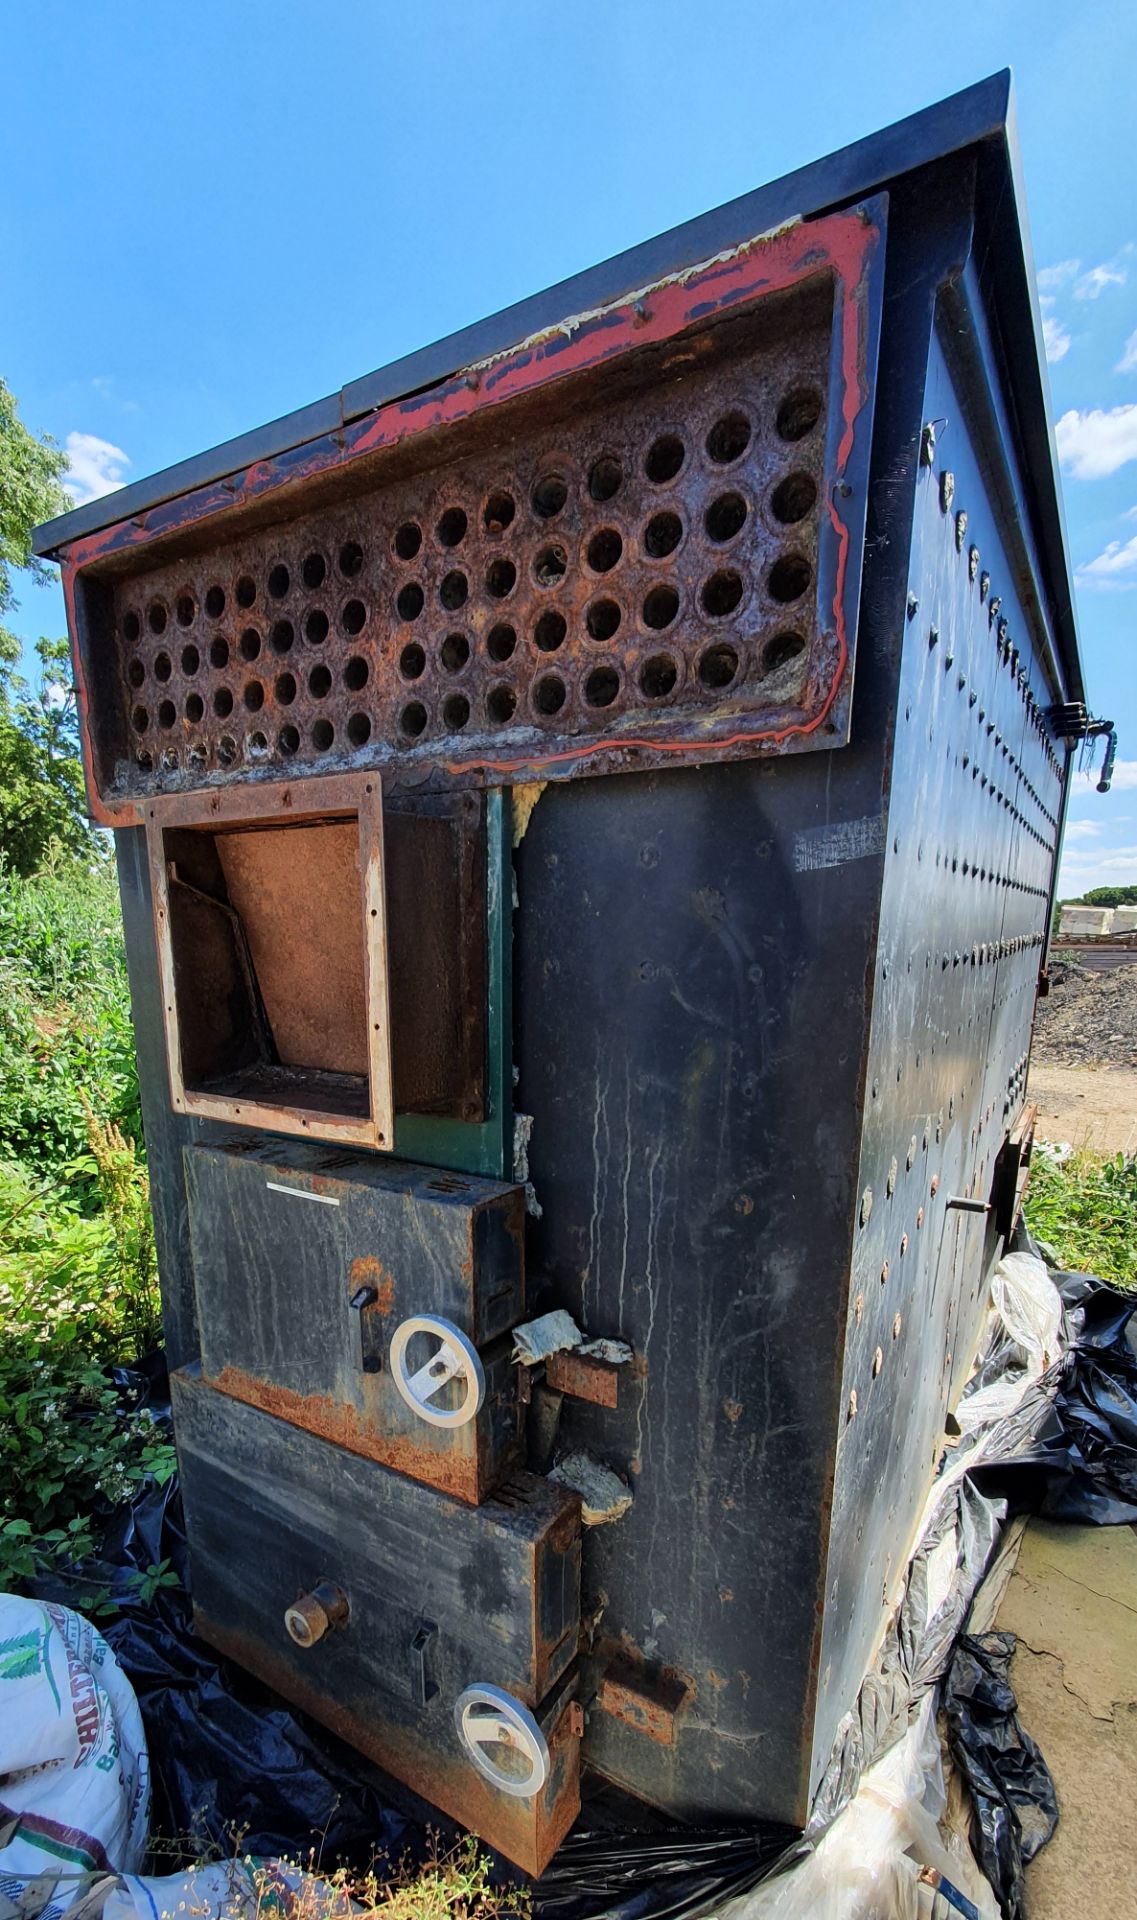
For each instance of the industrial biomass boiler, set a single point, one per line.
(587, 801)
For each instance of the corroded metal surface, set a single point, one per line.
(659, 561)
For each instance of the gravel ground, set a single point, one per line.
(1088, 1019)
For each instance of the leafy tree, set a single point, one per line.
(42, 806)
(41, 781)
(30, 470)
(1111, 897)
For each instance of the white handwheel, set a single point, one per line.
(454, 1358)
(503, 1740)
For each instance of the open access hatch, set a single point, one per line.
(288, 1003)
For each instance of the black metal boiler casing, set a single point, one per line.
(587, 820)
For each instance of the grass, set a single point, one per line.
(1084, 1208)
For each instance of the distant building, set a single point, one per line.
(1086, 923)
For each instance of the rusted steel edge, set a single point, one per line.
(840, 245)
(528, 1832)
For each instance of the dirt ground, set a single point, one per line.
(1083, 1073)
(1086, 1106)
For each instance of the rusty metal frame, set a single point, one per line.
(285, 803)
(844, 249)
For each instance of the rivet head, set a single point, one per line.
(896, 1326)
(947, 490)
(866, 1206)
(877, 1361)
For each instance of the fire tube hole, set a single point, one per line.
(316, 627)
(279, 581)
(501, 578)
(413, 719)
(549, 693)
(604, 550)
(452, 527)
(355, 674)
(250, 643)
(350, 559)
(728, 439)
(725, 517)
(662, 535)
(500, 642)
(793, 497)
(549, 496)
(359, 730)
(319, 682)
(783, 648)
(246, 591)
(718, 667)
(412, 661)
(602, 619)
(323, 734)
(453, 591)
(721, 594)
(658, 676)
(665, 456)
(353, 619)
(601, 686)
(455, 652)
(501, 704)
(281, 637)
(162, 667)
(409, 603)
(195, 708)
(219, 653)
(606, 478)
(285, 689)
(408, 540)
(215, 602)
(550, 630)
(499, 511)
(789, 578)
(184, 609)
(455, 712)
(798, 414)
(660, 608)
(313, 571)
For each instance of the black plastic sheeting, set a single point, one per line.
(1081, 1460)
(229, 1757)
(1014, 1807)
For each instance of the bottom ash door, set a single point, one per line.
(394, 1614)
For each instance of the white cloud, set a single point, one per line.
(1082, 830)
(1128, 360)
(94, 467)
(1124, 776)
(1111, 273)
(1055, 337)
(1051, 278)
(1097, 442)
(1083, 868)
(1114, 569)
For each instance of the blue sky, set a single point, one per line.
(213, 214)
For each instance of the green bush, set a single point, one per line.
(64, 1017)
(1085, 1210)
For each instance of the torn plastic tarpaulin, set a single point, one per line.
(1014, 1805)
(1074, 1455)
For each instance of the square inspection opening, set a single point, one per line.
(270, 916)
